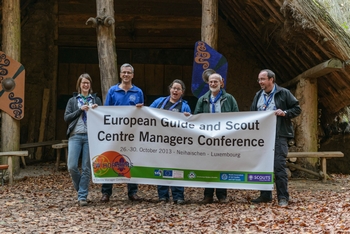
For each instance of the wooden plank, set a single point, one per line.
(329, 154)
(15, 153)
(139, 76)
(46, 98)
(39, 144)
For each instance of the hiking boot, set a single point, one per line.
(207, 200)
(223, 200)
(104, 198)
(82, 203)
(135, 197)
(179, 202)
(261, 200)
(283, 202)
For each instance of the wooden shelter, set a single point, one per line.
(297, 39)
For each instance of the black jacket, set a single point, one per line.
(285, 101)
(73, 112)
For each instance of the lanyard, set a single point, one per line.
(215, 100)
(84, 101)
(166, 101)
(268, 101)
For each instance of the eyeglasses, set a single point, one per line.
(262, 79)
(85, 83)
(176, 89)
(126, 72)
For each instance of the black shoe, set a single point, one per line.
(283, 202)
(135, 198)
(105, 198)
(207, 200)
(223, 200)
(261, 200)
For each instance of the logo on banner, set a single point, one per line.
(111, 163)
(259, 178)
(157, 172)
(192, 175)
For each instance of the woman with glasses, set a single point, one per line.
(173, 102)
(75, 116)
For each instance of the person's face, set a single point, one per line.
(126, 74)
(176, 92)
(85, 86)
(265, 83)
(214, 83)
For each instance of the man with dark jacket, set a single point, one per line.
(216, 100)
(271, 97)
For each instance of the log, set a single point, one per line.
(303, 169)
(11, 46)
(210, 30)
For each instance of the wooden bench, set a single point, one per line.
(9, 155)
(322, 155)
(35, 145)
(58, 147)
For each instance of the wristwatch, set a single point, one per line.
(285, 112)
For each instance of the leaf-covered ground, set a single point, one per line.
(44, 202)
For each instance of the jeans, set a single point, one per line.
(77, 144)
(281, 177)
(107, 189)
(220, 193)
(176, 192)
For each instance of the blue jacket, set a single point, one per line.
(184, 108)
(118, 97)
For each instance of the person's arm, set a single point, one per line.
(293, 106)
(72, 112)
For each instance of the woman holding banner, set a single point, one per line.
(75, 116)
(173, 102)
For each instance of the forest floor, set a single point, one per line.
(44, 201)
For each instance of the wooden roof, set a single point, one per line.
(288, 36)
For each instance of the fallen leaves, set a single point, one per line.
(47, 204)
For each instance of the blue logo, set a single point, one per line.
(167, 174)
(157, 172)
(232, 177)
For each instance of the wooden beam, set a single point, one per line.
(46, 98)
(11, 46)
(322, 69)
(210, 23)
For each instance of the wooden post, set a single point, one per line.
(107, 56)
(46, 97)
(11, 46)
(209, 29)
(306, 127)
(306, 93)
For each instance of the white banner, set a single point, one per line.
(153, 146)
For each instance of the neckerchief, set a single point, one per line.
(215, 100)
(84, 101)
(172, 107)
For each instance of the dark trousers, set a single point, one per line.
(281, 177)
(107, 189)
(220, 192)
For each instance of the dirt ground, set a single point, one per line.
(44, 201)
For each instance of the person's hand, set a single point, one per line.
(84, 107)
(280, 112)
(187, 114)
(139, 105)
(93, 106)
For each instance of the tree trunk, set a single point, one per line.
(11, 46)
(210, 23)
(107, 55)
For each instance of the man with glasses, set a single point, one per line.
(123, 94)
(272, 97)
(216, 100)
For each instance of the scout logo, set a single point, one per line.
(111, 164)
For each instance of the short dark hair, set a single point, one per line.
(270, 74)
(179, 82)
